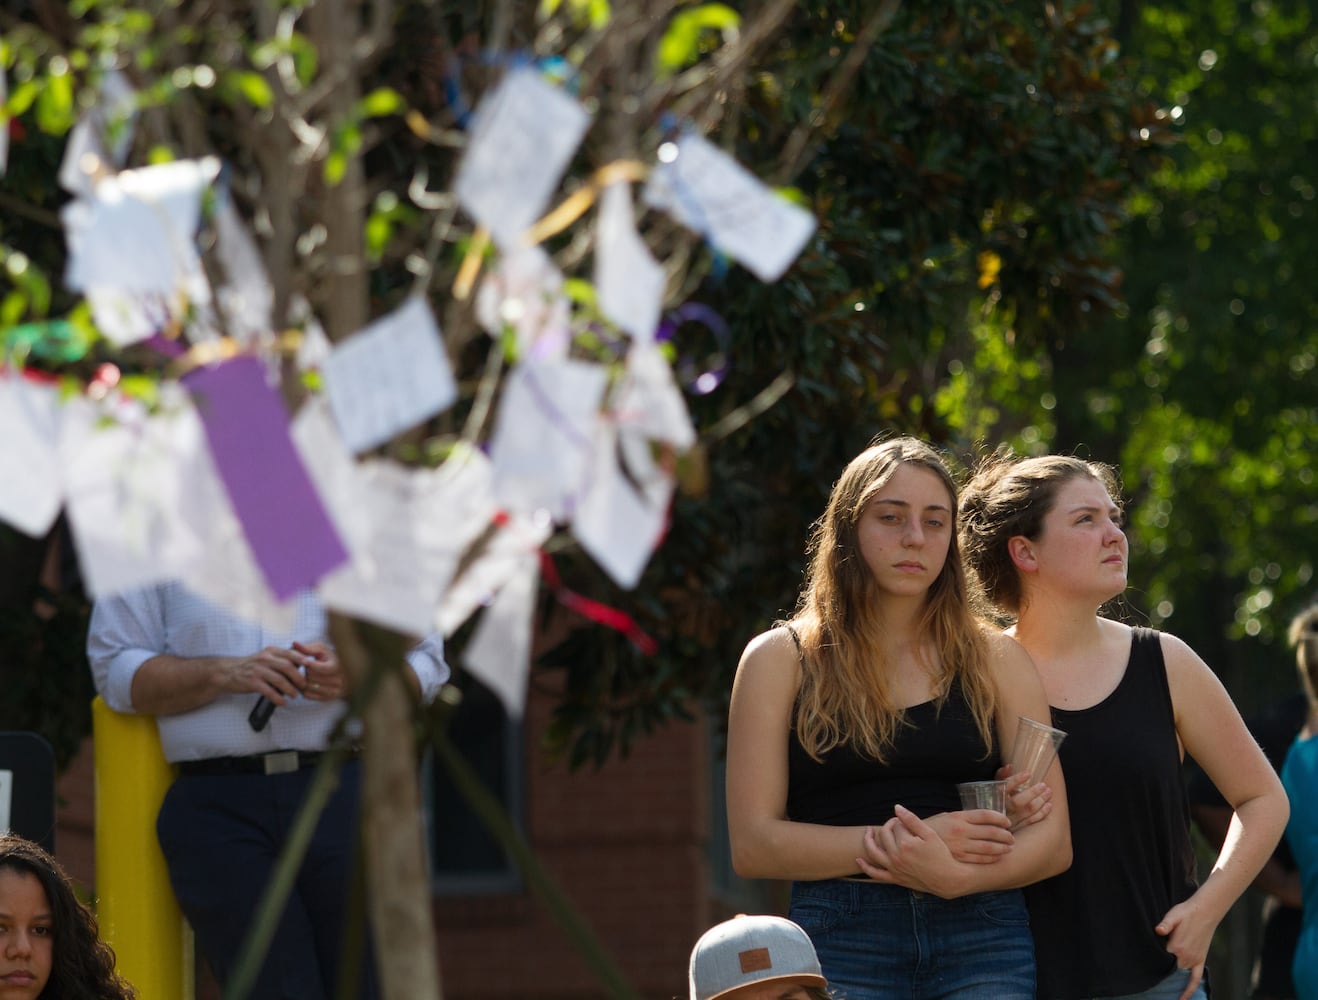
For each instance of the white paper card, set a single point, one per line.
(525, 133)
(389, 376)
(422, 520)
(246, 298)
(124, 473)
(500, 650)
(525, 292)
(707, 190)
(132, 247)
(618, 526)
(315, 348)
(105, 133)
(138, 230)
(29, 416)
(544, 435)
(629, 281)
(334, 472)
(648, 401)
(503, 553)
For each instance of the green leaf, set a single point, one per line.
(380, 103)
(253, 86)
(55, 105)
(680, 45)
(580, 291)
(379, 228)
(336, 165)
(22, 96)
(598, 12)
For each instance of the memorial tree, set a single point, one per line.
(496, 298)
(386, 300)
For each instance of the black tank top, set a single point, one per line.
(1130, 835)
(934, 750)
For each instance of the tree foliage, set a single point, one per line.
(1205, 384)
(969, 188)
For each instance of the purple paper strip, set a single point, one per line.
(290, 533)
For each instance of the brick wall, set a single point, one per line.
(627, 845)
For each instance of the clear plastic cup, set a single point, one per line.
(984, 795)
(1035, 749)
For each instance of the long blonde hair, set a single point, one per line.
(844, 696)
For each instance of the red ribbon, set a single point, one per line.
(601, 614)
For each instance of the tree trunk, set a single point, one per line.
(398, 887)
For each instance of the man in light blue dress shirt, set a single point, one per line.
(200, 670)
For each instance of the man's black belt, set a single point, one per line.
(275, 762)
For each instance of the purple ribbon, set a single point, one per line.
(700, 382)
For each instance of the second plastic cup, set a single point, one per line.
(983, 795)
(1035, 747)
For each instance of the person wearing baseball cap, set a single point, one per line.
(756, 958)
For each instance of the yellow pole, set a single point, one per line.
(135, 905)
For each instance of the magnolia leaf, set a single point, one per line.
(381, 102)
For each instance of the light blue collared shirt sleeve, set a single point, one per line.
(427, 661)
(125, 631)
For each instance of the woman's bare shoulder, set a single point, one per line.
(1004, 652)
(770, 657)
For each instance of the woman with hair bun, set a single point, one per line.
(1043, 537)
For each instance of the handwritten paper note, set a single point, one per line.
(246, 297)
(525, 133)
(499, 652)
(29, 415)
(390, 376)
(290, 532)
(707, 190)
(132, 247)
(525, 293)
(124, 473)
(406, 528)
(544, 435)
(101, 138)
(648, 401)
(502, 554)
(334, 471)
(619, 526)
(629, 280)
(422, 520)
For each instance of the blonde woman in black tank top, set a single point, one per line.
(850, 726)
(1044, 539)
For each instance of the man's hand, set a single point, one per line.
(274, 672)
(325, 678)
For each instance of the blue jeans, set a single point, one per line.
(1170, 988)
(883, 942)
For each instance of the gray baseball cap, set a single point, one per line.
(746, 950)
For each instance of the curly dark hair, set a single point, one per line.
(82, 966)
